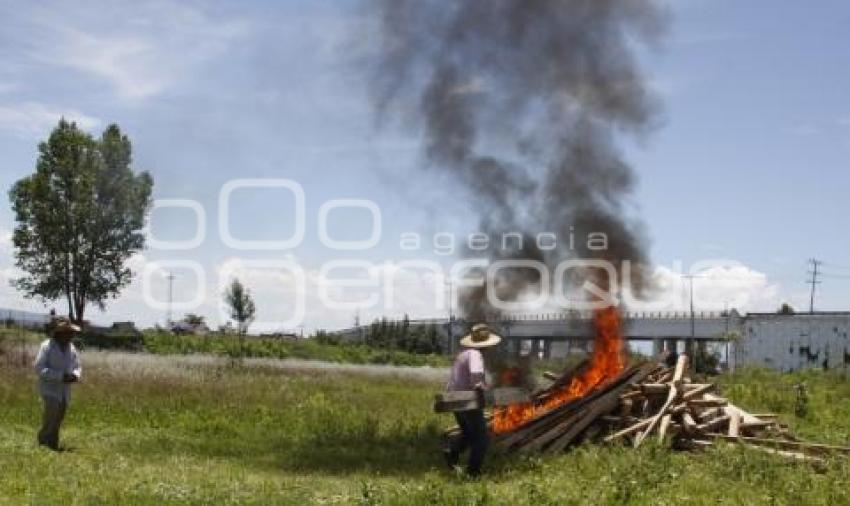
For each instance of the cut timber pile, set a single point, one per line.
(667, 403)
(650, 400)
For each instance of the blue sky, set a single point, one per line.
(749, 163)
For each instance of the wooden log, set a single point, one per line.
(569, 374)
(701, 443)
(754, 426)
(767, 416)
(663, 426)
(553, 433)
(626, 408)
(667, 376)
(697, 391)
(565, 433)
(713, 424)
(800, 446)
(703, 415)
(545, 421)
(633, 395)
(681, 365)
(654, 388)
(604, 405)
(734, 424)
(798, 456)
(729, 408)
(689, 423)
(657, 418)
(628, 430)
(708, 403)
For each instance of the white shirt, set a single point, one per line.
(468, 363)
(51, 364)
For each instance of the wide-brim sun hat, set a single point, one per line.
(480, 337)
(65, 327)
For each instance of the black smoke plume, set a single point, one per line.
(523, 101)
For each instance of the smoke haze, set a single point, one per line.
(522, 102)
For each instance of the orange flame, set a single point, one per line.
(607, 362)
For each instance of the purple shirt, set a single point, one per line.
(467, 363)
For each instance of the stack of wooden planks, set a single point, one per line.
(668, 405)
(556, 429)
(651, 400)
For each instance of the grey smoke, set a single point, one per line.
(523, 102)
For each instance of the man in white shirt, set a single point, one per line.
(468, 374)
(57, 366)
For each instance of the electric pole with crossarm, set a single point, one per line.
(814, 281)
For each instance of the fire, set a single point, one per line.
(606, 362)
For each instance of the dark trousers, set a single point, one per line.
(54, 413)
(474, 436)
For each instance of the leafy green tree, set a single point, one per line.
(241, 304)
(785, 308)
(79, 218)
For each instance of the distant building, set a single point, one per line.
(784, 342)
(790, 342)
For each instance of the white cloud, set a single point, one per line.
(141, 49)
(35, 119)
(716, 287)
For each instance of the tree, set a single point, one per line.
(785, 308)
(79, 218)
(241, 305)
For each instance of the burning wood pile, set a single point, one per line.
(603, 400)
(650, 400)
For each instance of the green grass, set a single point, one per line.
(164, 343)
(255, 347)
(168, 433)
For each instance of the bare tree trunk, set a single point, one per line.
(81, 307)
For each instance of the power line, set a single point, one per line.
(814, 281)
(833, 276)
(837, 266)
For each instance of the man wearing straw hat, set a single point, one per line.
(57, 367)
(468, 374)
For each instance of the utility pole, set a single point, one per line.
(690, 278)
(448, 283)
(170, 278)
(814, 281)
(357, 327)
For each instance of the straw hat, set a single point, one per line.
(480, 337)
(63, 326)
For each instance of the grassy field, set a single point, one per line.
(166, 343)
(146, 429)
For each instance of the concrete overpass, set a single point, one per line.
(556, 335)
